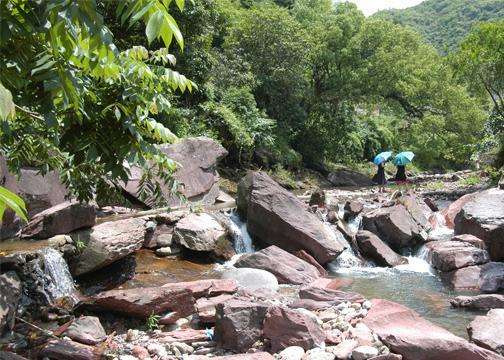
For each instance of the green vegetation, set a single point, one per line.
(444, 23)
(470, 181)
(89, 87)
(13, 202)
(152, 322)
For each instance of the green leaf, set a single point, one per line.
(153, 27)
(180, 4)
(7, 107)
(14, 202)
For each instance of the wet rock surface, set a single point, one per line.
(453, 255)
(488, 331)
(487, 278)
(372, 247)
(479, 302)
(10, 293)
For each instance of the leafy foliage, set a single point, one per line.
(10, 200)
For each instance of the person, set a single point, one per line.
(380, 178)
(401, 173)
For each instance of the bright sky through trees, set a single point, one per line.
(369, 7)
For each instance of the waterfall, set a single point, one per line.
(241, 238)
(59, 281)
(417, 262)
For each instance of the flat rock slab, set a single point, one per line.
(487, 278)
(69, 350)
(106, 243)
(453, 255)
(206, 287)
(488, 331)
(277, 217)
(408, 334)
(328, 295)
(206, 307)
(470, 239)
(60, 219)
(372, 247)
(483, 217)
(287, 268)
(142, 302)
(186, 336)
(479, 302)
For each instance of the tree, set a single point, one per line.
(83, 106)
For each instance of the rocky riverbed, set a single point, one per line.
(341, 273)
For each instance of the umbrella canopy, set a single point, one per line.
(382, 157)
(404, 158)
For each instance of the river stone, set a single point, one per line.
(479, 302)
(347, 177)
(344, 349)
(487, 278)
(284, 327)
(86, 330)
(453, 255)
(287, 268)
(106, 243)
(408, 334)
(199, 232)
(483, 217)
(277, 217)
(417, 208)
(394, 225)
(69, 350)
(205, 287)
(352, 209)
(198, 158)
(328, 295)
(252, 279)
(291, 353)
(488, 331)
(10, 293)
(364, 353)
(251, 356)
(239, 323)
(60, 219)
(206, 307)
(303, 255)
(372, 247)
(470, 239)
(4, 355)
(454, 208)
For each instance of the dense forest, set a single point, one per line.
(444, 23)
(280, 84)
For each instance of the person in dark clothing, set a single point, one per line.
(380, 178)
(401, 173)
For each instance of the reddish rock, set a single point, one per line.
(287, 268)
(60, 219)
(417, 208)
(277, 217)
(387, 357)
(470, 239)
(452, 255)
(206, 287)
(394, 225)
(455, 207)
(186, 336)
(312, 305)
(86, 330)
(284, 327)
(106, 243)
(140, 352)
(352, 209)
(346, 177)
(239, 323)
(4, 355)
(332, 284)
(372, 247)
(160, 237)
(328, 295)
(206, 307)
(483, 217)
(253, 356)
(69, 350)
(487, 278)
(488, 331)
(198, 158)
(408, 334)
(479, 302)
(303, 255)
(142, 302)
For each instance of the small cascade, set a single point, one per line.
(417, 263)
(59, 280)
(346, 260)
(241, 238)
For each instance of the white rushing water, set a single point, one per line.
(241, 238)
(60, 282)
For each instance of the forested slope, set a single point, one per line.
(445, 23)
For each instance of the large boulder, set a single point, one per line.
(197, 159)
(239, 323)
(417, 208)
(106, 243)
(143, 302)
(287, 268)
(372, 247)
(453, 255)
(40, 192)
(394, 225)
(486, 278)
(199, 232)
(60, 219)
(10, 293)
(252, 279)
(479, 302)
(488, 331)
(454, 208)
(483, 217)
(277, 217)
(408, 334)
(347, 177)
(285, 327)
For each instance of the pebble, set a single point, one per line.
(364, 353)
(318, 354)
(164, 251)
(366, 305)
(132, 335)
(157, 349)
(183, 348)
(291, 353)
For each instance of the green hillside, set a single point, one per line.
(445, 22)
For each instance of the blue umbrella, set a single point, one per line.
(403, 158)
(382, 157)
